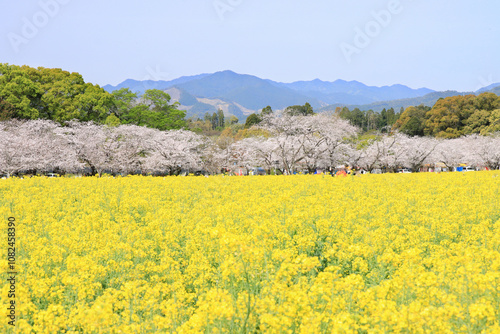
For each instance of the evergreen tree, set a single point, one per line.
(220, 119)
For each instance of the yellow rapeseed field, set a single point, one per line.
(402, 253)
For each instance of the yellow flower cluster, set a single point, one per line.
(276, 254)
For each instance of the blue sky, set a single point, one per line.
(439, 44)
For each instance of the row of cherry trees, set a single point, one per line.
(287, 143)
(399, 150)
(326, 141)
(39, 146)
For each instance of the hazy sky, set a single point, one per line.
(441, 44)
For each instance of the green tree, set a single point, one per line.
(52, 94)
(252, 119)
(112, 121)
(220, 119)
(6, 110)
(266, 111)
(298, 110)
(233, 120)
(392, 117)
(448, 116)
(308, 109)
(207, 117)
(487, 101)
(485, 117)
(159, 114)
(382, 119)
(494, 125)
(343, 112)
(19, 92)
(372, 120)
(357, 118)
(412, 121)
(123, 102)
(94, 104)
(215, 120)
(153, 109)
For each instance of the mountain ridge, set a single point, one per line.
(427, 100)
(241, 94)
(227, 82)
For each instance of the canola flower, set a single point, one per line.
(403, 253)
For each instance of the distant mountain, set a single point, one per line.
(141, 86)
(496, 90)
(427, 100)
(488, 88)
(198, 106)
(249, 91)
(341, 91)
(243, 94)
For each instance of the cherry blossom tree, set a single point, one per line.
(397, 150)
(483, 150)
(306, 139)
(331, 136)
(289, 134)
(244, 153)
(130, 145)
(93, 144)
(452, 152)
(34, 147)
(371, 154)
(417, 151)
(46, 149)
(213, 159)
(255, 152)
(392, 151)
(172, 150)
(11, 148)
(294, 142)
(224, 144)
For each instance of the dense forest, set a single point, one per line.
(57, 95)
(453, 117)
